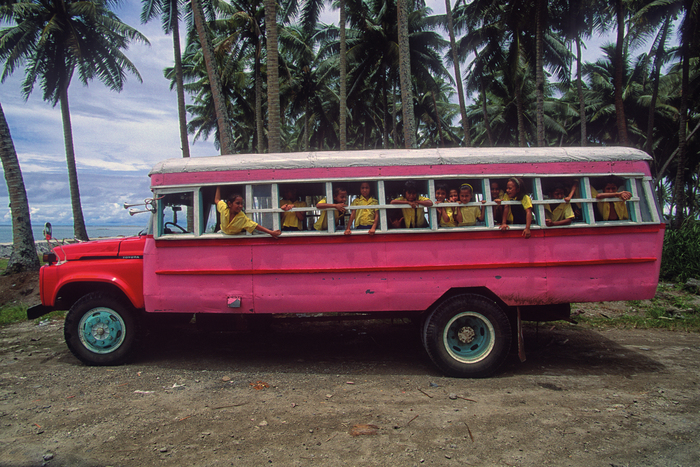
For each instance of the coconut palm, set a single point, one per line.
(222, 118)
(56, 39)
(170, 11)
(23, 257)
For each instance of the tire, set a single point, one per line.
(467, 336)
(101, 329)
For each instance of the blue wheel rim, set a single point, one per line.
(469, 337)
(102, 330)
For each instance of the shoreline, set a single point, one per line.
(42, 247)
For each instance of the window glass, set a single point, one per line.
(643, 201)
(261, 199)
(173, 210)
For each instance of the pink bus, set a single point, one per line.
(469, 285)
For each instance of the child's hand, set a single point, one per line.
(340, 207)
(287, 207)
(526, 233)
(549, 222)
(397, 223)
(348, 231)
(372, 230)
(483, 201)
(497, 200)
(567, 199)
(276, 233)
(625, 195)
(504, 227)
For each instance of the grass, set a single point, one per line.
(672, 308)
(16, 313)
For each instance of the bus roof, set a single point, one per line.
(396, 157)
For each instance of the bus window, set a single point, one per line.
(293, 219)
(330, 218)
(173, 210)
(610, 207)
(398, 193)
(258, 204)
(360, 194)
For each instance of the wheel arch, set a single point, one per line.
(71, 292)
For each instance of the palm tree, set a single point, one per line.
(56, 39)
(23, 257)
(409, 125)
(458, 73)
(170, 11)
(273, 84)
(222, 118)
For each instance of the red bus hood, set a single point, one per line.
(109, 248)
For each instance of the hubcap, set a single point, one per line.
(469, 337)
(102, 330)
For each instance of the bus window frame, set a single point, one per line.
(633, 182)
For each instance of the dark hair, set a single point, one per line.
(232, 197)
(466, 186)
(520, 185)
(410, 187)
(441, 186)
(337, 190)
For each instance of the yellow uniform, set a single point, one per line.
(322, 222)
(525, 203)
(604, 208)
(364, 216)
(469, 215)
(562, 212)
(290, 219)
(239, 222)
(451, 215)
(414, 217)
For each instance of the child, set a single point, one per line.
(234, 206)
(517, 213)
(340, 196)
(620, 207)
(562, 214)
(496, 196)
(454, 196)
(366, 219)
(467, 215)
(415, 215)
(445, 215)
(291, 221)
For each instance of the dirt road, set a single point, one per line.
(350, 394)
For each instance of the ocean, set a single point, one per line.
(66, 231)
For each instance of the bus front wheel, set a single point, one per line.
(467, 336)
(101, 329)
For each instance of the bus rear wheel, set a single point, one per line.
(467, 336)
(101, 329)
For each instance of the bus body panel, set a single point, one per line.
(400, 273)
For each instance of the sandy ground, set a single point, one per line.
(355, 393)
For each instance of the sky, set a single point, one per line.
(118, 137)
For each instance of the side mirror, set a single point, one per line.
(47, 230)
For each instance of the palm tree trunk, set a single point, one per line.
(409, 124)
(343, 121)
(273, 84)
(539, 72)
(458, 74)
(579, 88)
(23, 257)
(78, 221)
(484, 109)
(259, 126)
(222, 121)
(437, 119)
(180, 87)
(619, 67)
(679, 184)
(394, 112)
(385, 105)
(649, 145)
(522, 141)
